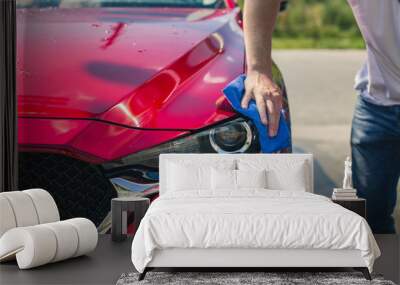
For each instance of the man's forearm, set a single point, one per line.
(259, 22)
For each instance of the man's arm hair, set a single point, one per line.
(259, 23)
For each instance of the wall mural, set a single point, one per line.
(105, 86)
(102, 91)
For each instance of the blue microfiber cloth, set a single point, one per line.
(234, 92)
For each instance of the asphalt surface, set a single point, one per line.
(322, 99)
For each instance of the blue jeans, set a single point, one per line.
(375, 145)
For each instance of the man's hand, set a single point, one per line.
(258, 24)
(260, 87)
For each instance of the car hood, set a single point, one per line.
(119, 65)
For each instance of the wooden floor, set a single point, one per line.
(110, 260)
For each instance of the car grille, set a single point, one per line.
(79, 188)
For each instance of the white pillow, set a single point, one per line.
(281, 174)
(185, 175)
(251, 178)
(223, 179)
(291, 179)
(183, 178)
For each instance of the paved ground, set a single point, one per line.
(321, 96)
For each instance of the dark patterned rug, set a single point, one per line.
(243, 278)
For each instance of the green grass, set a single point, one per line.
(316, 24)
(323, 43)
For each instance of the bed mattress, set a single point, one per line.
(250, 219)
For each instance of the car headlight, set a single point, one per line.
(140, 170)
(235, 137)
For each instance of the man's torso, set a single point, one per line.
(379, 22)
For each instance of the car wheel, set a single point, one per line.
(79, 188)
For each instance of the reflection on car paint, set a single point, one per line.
(117, 30)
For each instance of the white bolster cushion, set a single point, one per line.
(23, 208)
(32, 246)
(40, 244)
(7, 218)
(67, 240)
(26, 208)
(45, 205)
(87, 235)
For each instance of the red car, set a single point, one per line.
(105, 86)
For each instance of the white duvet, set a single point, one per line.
(250, 219)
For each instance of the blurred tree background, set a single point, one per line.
(317, 24)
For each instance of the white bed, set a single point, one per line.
(286, 226)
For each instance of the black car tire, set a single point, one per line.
(79, 189)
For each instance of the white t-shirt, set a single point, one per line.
(379, 79)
